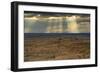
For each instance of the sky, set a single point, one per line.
(35, 22)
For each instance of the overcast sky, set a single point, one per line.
(56, 23)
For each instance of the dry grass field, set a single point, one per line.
(56, 47)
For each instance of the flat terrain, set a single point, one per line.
(56, 47)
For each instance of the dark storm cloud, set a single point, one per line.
(47, 14)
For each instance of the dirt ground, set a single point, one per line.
(56, 48)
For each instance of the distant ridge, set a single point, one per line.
(30, 35)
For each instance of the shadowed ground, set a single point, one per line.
(39, 47)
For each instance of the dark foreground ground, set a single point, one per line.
(38, 47)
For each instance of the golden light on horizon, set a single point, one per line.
(52, 18)
(32, 18)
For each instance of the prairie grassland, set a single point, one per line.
(63, 47)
